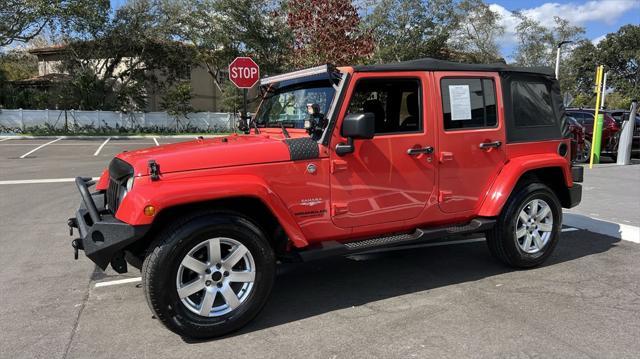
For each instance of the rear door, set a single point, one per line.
(471, 138)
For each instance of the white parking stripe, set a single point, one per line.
(101, 146)
(45, 180)
(39, 147)
(569, 229)
(156, 141)
(119, 281)
(622, 231)
(5, 139)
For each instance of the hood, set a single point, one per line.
(209, 153)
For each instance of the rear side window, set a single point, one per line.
(532, 104)
(533, 107)
(468, 103)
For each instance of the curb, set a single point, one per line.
(104, 137)
(621, 231)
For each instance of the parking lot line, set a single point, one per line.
(101, 146)
(41, 146)
(156, 141)
(119, 281)
(4, 139)
(44, 180)
(569, 229)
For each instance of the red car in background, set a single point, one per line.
(580, 146)
(610, 129)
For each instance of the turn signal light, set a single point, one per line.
(149, 211)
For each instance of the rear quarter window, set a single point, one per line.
(532, 104)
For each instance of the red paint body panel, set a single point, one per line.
(515, 168)
(209, 153)
(465, 170)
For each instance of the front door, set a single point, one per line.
(390, 177)
(471, 138)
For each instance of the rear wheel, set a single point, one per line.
(528, 227)
(209, 275)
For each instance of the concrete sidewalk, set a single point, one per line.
(611, 193)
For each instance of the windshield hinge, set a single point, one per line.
(154, 170)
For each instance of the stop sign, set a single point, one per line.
(244, 72)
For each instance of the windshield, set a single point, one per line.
(287, 106)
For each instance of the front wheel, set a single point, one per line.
(583, 155)
(209, 275)
(528, 227)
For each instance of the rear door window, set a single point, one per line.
(468, 103)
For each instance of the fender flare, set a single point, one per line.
(168, 193)
(511, 173)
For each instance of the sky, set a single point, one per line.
(598, 17)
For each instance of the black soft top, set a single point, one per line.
(429, 64)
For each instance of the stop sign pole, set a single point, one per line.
(244, 73)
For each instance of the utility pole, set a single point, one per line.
(558, 57)
(604, 90)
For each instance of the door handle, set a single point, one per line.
(417, 151)
(494, 144)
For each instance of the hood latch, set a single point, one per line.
(154, 170)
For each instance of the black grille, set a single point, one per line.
(119, 171)
(113, 195)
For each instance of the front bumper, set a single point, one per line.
(102, 236)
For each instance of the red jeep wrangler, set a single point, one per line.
(339, 161)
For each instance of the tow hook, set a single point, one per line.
(77, 245)
(72, 223)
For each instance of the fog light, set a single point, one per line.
(149, 211)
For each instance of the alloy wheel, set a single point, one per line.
(534, 226)
(215, 277)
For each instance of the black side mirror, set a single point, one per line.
(359, 126)
(356, 126)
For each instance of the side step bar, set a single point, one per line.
(334, 248)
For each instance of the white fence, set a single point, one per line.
(16, 120)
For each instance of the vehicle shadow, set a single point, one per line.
(308, 289)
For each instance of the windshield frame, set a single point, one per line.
(323, 86)
(337, 79)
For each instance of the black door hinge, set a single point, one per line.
(154, 170)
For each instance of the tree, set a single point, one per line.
(537, 44)
(411, 29)
(619, 52)
(326, 31)
(23, 20)
(111, 74)
(476, 36)
(177, 102)
(577, 72)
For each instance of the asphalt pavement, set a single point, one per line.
(449, 300)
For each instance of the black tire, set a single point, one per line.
(161, 265)
(502, 240)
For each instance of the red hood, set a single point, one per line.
(209, 153)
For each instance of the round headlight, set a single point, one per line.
(130, 183)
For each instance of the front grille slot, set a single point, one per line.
(119, 171)
(113, 195)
